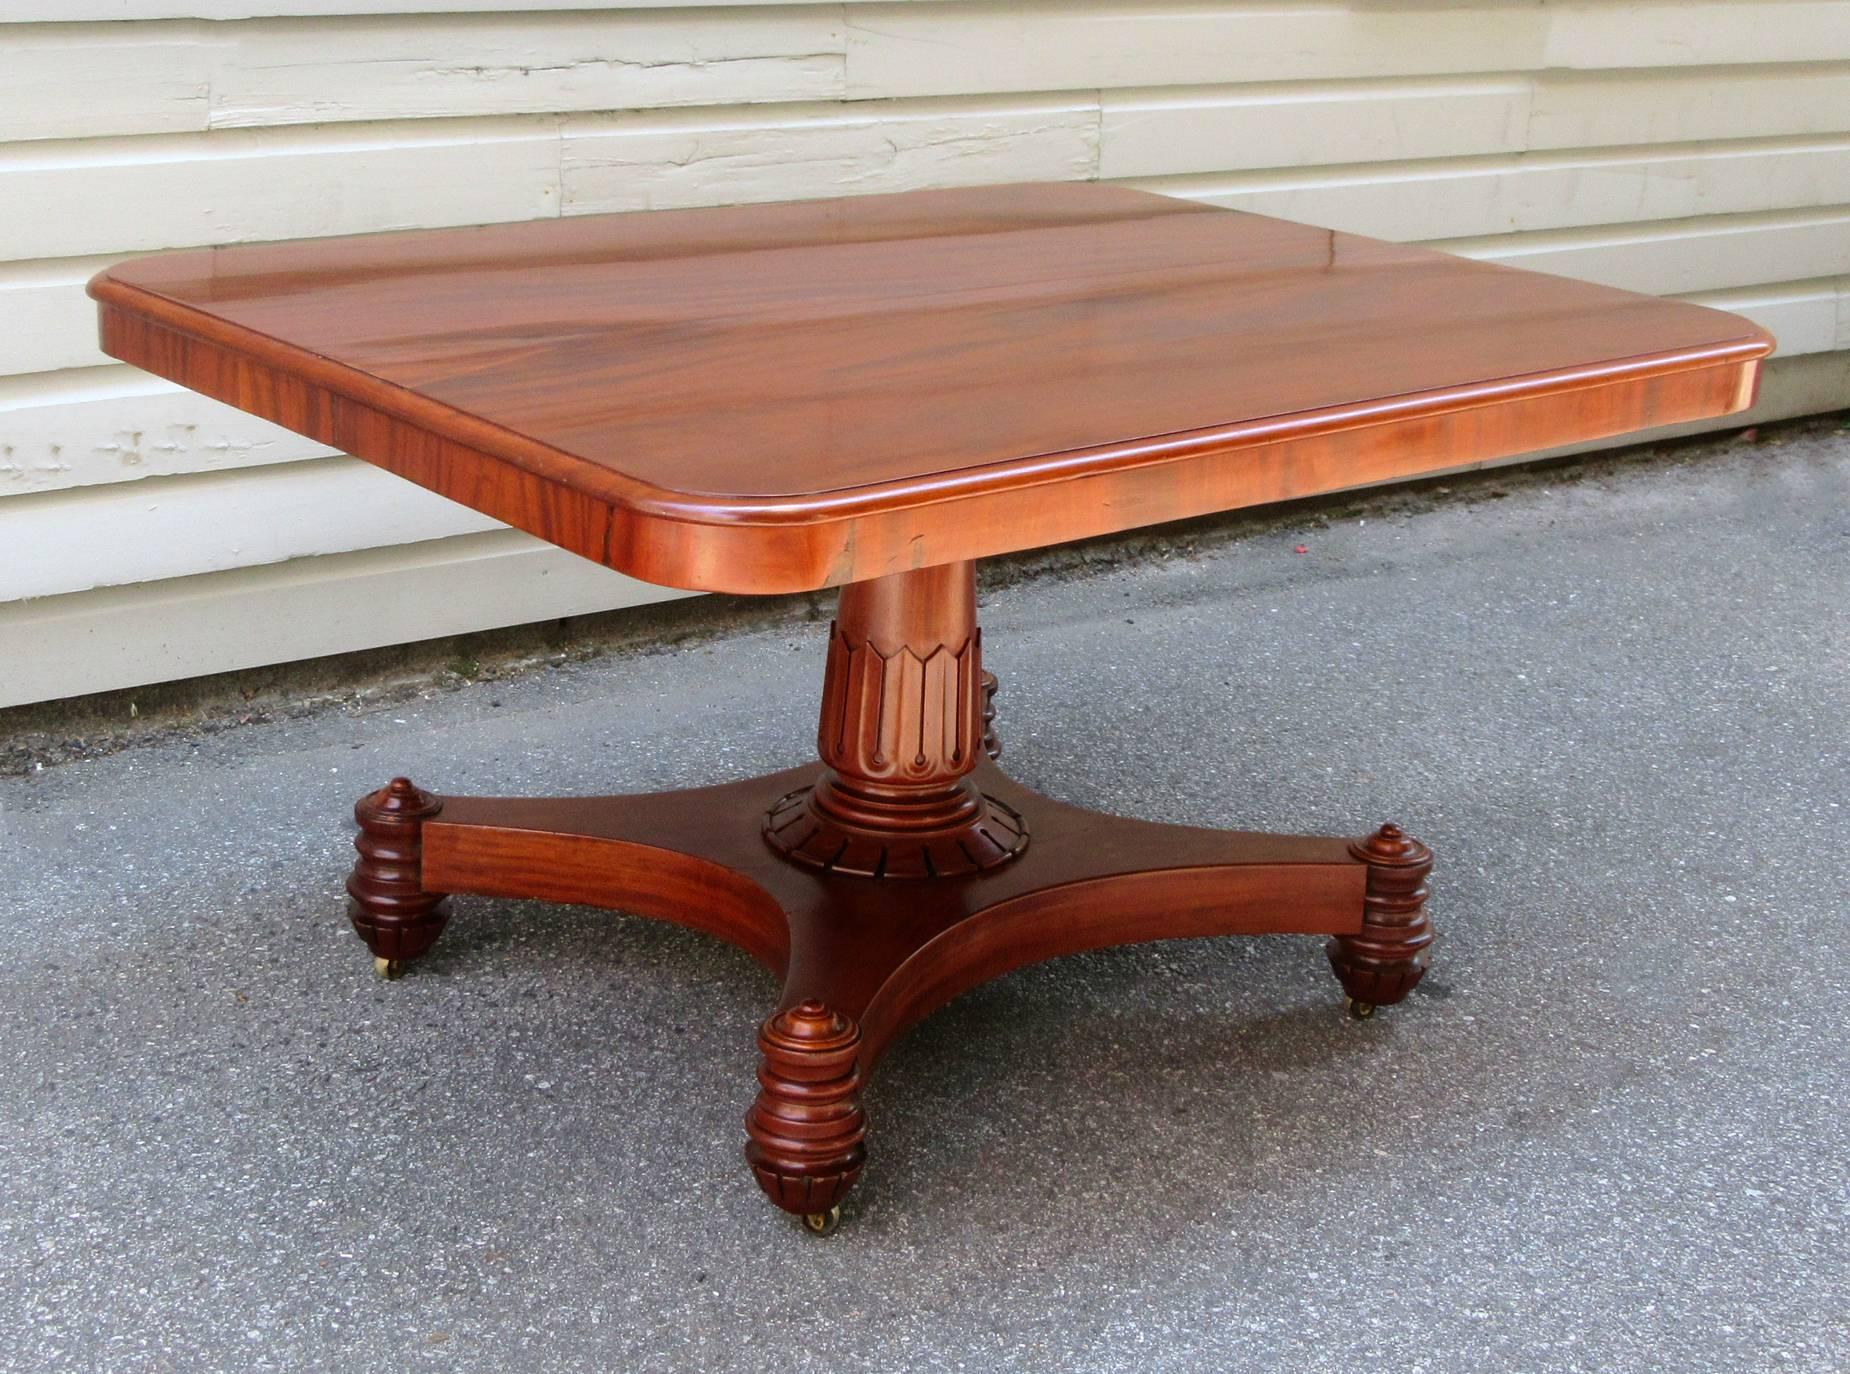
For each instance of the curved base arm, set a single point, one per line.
(861, 958)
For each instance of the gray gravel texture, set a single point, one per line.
(1608, 1133)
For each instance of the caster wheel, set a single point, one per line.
(823, 1223)
(1360, 1011)
(389, 969)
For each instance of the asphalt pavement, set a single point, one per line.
(1608, 1133)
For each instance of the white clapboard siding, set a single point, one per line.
(76, 81)
(67, 11)
(216, 622)
(208, 522)
(1671, 258)
(1806, 317)
(281, 72)
(1457, 197)
(1597, 109)
(658, 160)
(1302, 125)
(995, 45)
(101, 425)
(1699, 148)
(46, 321)
(64, 81)
(1659, 32)
(297, 71)
(119, 195)
(999, 45)
(1676, 33)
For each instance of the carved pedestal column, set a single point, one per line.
(902, 726)
(1380, 965)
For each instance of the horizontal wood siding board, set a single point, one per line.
(66, 199)
(1594, 109)
(68, 11)
(1588, 33)
(657, 161)
(307, 71)
(997, 45)
(306, 608)
(992, 45)
(1806, 317)
(622, 165)
(1681, 257)
(1482, 197)
(79, 81)
(101, 425)
(252, 184)
(1671, 33)
(1296, 126)
(71, 81)
(1309, 125)
(50, 324)
(176, 526)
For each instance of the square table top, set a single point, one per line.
(779, 397)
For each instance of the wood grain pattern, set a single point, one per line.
(864, 960)
(865, 947)
(902, 726)
(804, 1133)
(1381, 963)
(388, 903)
(876, 392)
(781, 397)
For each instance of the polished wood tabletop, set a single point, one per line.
(781, 397)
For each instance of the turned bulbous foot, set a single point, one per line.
(805, 1133)
(1381, 963)
(389, 907)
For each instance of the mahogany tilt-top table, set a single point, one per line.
(873, 393)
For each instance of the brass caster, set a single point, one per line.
(823, 1223)
(1360, 1011)
(389, 969)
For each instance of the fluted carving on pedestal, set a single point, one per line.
(389, 908)
(1380, 965)
(805, 1133)
(897, 717)
(901, 728)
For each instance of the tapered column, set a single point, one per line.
(901, 728)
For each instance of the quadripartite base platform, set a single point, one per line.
(880, 882)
